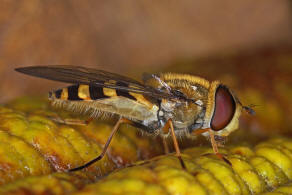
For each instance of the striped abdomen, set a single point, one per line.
(91, 92)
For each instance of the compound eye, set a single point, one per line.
(224, 109)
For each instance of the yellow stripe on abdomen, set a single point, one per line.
(109, 92)
(64, 94)
(83, 92)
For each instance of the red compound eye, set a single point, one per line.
(224, 109)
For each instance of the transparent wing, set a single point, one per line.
(82, 75)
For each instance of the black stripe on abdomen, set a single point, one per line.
(73, 93)
(124, 93)
(58, 93)
(96, 92)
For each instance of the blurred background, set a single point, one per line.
(244, 43)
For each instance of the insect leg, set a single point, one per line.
(165, 145)
(215, 148)
(114, 130)
(165, 129)
(199, 131)
(71, 121)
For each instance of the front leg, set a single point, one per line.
(213, 143)
(169, 126)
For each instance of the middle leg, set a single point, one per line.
(169, 126)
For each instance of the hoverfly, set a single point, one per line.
(164, 104)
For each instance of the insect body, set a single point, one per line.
(174, 104)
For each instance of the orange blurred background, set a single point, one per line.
(129, 37)
(244, 43)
